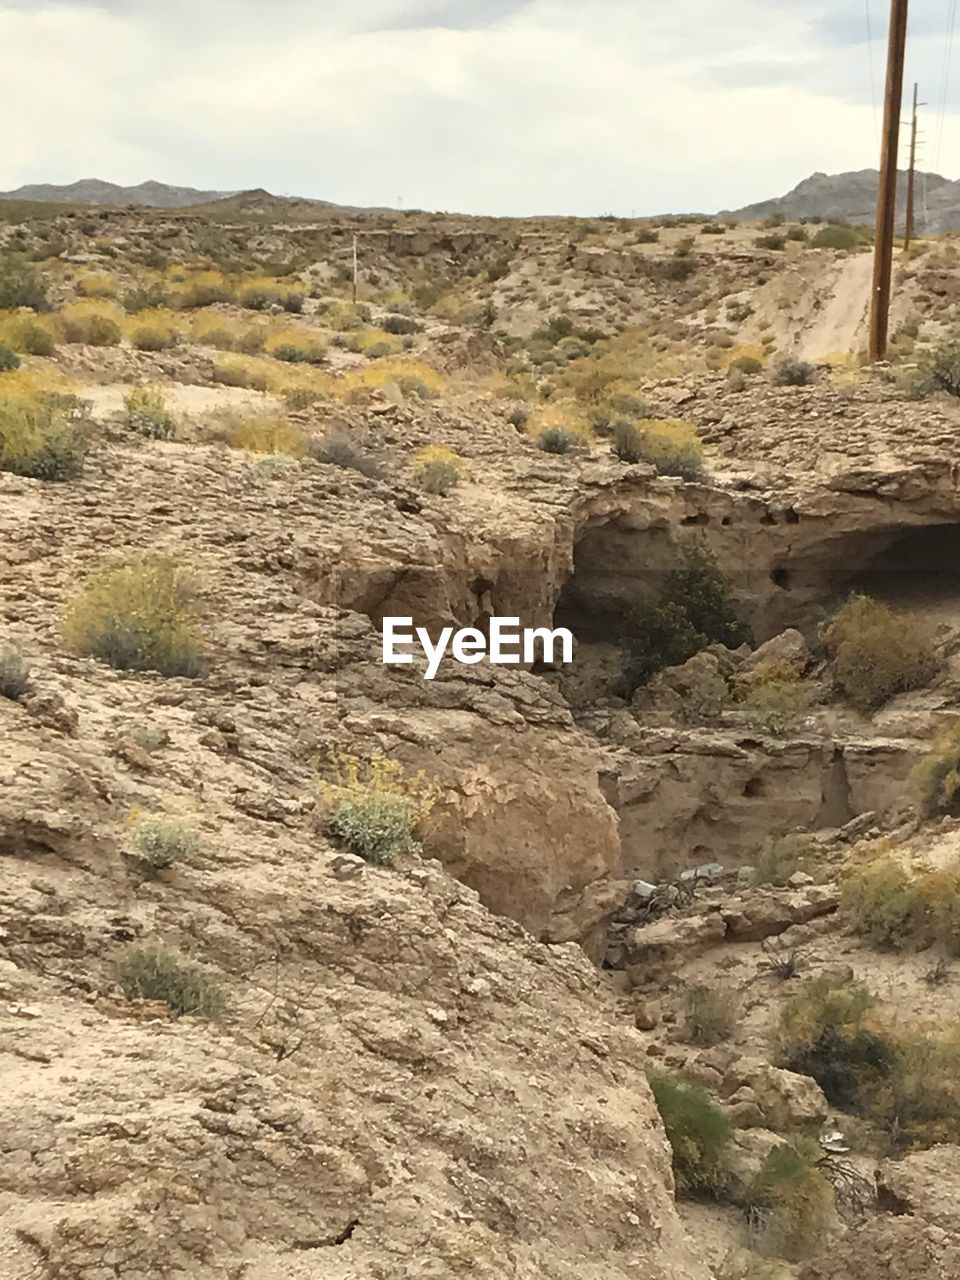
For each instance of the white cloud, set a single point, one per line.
(505, 106)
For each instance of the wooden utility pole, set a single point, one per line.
(912, 179)
(887, 194)
(355, 271)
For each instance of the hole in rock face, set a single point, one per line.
(780, 577)
(919, 569)
(753, 787)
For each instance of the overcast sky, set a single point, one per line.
(479, 106)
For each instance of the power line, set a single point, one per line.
(873, 74)
(945, 78)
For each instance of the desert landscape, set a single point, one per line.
(642, 966)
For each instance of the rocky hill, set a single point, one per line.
(853, 196)
(626, 996)
(158, 195)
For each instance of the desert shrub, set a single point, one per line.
(794, 373)
(698, 1132)
(203, 289)
(297, 399)
(774, 704)
(38, 440)
(837, 237)
(823, 1034)
(137, 613)
(153, 337)
(746, 364)
(147, 413)
(144, 298)
(878, 653)
(906, 1083)
(935, 780)
(899, 906)
(415, 387)
(626, 441)
(556, 440)
(14, 675)
(798, 234)
(149, 971)
(263, 294)
(158, 841)
(694, 610)
(299, 352)
(264, 433)
(90, 324)
(33, 338)
(96, 286)
(8, 359)
(234, 373)
(376, 807)
(709, 1015)
(940, 370)
(779, 857)
(791, 1201)
(673, 447)
(397, 324)
(294, 346)
(647, 235)
(771, 241)
(437, 469)
(21, 285)
(342, 448)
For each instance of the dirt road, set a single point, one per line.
(841, 325)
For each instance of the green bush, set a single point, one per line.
(147, 413)
(771, 241)
(698, 1132)
(21, 285)
(693, 611)
(940, 370)
(397, 324)
(791, 1201)
(709, 1015)
(822, 1034)
(158, 841)
(437, 469)
(14, 675)
(673, 447)
(837, 237)
(92, 329)
(556, 440)
(376, 808)
(149, 971)
(154, 338)
(137, 614)
(343, 448)
(794, 373)
(878, 653)
(936, 778)
(296, 353)
(626, 440)
(779, 857)
(38, 440)
(899, 906)
(33, 339)
(144, 298)
(775, 705)
(747, 365)
(8, 358)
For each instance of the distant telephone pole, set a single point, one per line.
(912, 179)
(887, 193)
(355, 270)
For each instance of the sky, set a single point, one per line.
(506, 107)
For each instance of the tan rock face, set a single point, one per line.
(404, 1085)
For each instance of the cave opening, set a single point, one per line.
(919, 569)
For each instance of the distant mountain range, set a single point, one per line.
(160, 195)
(854, 196)
(94, 191)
